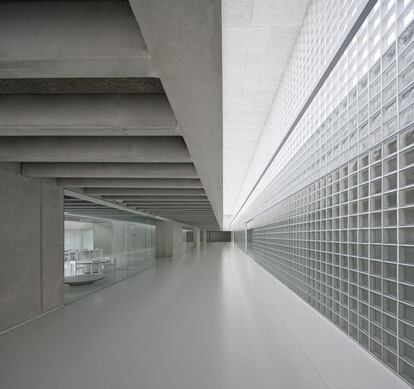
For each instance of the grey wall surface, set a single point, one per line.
(219, 236)
(203, 237)
(168, 239)
(196, 237)
(31, 241)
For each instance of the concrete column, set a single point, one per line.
(168, 239)
(204, 237)
(196, 233)
(31, 244)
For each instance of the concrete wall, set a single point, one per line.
(219, 236)
(168, 239)
(196, 237)
(203, 237)
(31, 246)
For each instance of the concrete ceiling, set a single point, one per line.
(185, 42)
(258, 37)
(118, 100)
(124, 94)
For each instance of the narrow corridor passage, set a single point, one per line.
(210, 319)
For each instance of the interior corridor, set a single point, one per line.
(211, 318)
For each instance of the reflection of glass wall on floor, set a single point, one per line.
(187, 239)
(107, 250)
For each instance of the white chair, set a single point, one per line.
(109, 266)
(71, 258)
(95, 266)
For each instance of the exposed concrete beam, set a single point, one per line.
(116, 216)
(93, 149)
(194, 214)
(145, 192)
(195, 219)
(167, 202)
(182, 213)
(110, 170)
(166, 199)
(203, 212)
(93, 183)
(172, 205)
(112, 215)
(70, 208)
(128, 199)
(86, 114)
(177, 207)
(77, 67)
(186, 52)
(204, 220)
(188, 215)
(206, 212)
(84, 39)
(90, 207)
(102, 203)
(38, 86)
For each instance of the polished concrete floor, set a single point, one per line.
(210, 319)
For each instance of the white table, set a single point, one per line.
(83, 279)
(93, 261)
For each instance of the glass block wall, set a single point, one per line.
(239, 239)
(336, 222)
(320, 35)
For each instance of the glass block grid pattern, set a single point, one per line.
(323, 29)
(348, 114)
(239, 238)
(336, 223)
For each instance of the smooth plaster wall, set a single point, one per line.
(31, 246)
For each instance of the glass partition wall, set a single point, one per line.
(104, 251)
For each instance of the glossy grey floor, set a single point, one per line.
(210, 319)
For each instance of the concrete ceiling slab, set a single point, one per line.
(83, 100)
(84, 39)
